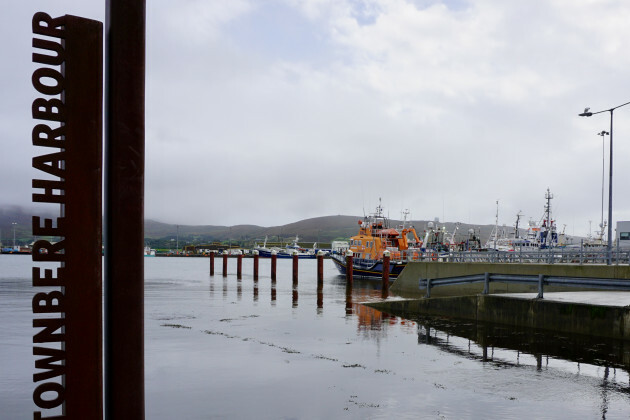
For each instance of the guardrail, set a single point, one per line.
(544, 256)
(541, 280)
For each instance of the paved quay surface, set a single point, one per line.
(605, 298)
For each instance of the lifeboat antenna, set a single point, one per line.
(404, 215)
(516, 231)
(379, 209)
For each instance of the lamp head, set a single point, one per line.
(586, 113)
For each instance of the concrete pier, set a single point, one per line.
(609, 317)
(406, 285)
(563, 309)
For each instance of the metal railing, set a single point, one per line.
(540, 280)
(583, 255)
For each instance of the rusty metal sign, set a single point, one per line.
(67, 304)
(125, 22)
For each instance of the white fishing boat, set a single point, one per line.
(287, 252)
(541, 234)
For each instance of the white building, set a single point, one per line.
(623, 234)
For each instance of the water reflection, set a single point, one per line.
(295, 298)
(367, 364)
(320, 298)
(520, 352)
(597, 351)
(479, 341)
(255, 290)
(349, 298)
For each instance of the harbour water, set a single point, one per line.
(220, 347)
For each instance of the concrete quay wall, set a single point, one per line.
(406, 285)
(579, 318)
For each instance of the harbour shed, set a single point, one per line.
(623, 234)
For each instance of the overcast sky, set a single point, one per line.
(271, 111)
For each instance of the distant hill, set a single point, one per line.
(161, 235)
(23, 228)
(318, 229)
(322, 229)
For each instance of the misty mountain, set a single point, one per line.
(318, 229)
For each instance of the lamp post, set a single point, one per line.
(601, 224)
(587, 113)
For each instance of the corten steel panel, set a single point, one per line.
(83, 72)
(124, 211)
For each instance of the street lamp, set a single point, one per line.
(601, 224)
(587, 113)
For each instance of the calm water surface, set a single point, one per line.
(222, 348)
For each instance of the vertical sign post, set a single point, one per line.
(67, 307)
(124, 211)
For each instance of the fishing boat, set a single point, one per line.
(542, 234)
(500, 240)
(288, 251)
(375, 237)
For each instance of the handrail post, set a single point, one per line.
(486, 283)
(541, 279)
(617, 260)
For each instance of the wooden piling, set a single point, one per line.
(274, 258)
(255, 265)
(225, 257)
(320, 268)
(295, 268)
(349, 267)
(385, 281)
(212, 263)
(239, 266)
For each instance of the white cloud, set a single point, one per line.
(269, 112)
